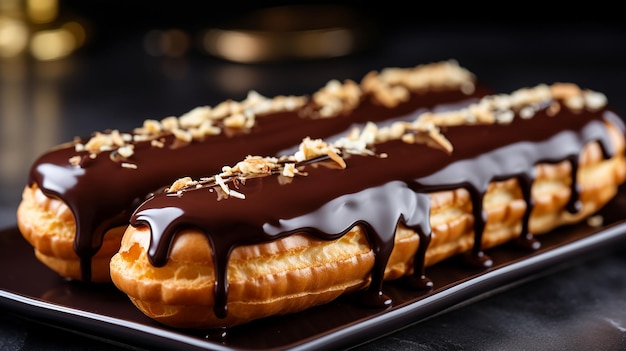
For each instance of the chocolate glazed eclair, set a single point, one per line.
(276, 235)
(80, 195)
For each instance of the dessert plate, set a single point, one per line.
(100, 310)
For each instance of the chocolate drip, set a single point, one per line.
(574, 205)
(516, 160)
(526, 239)
(477, 257)
(378, 211)
(102, 194)
(377, 193)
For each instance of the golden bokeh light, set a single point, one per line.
(42, 11)
(13, 37)
(290, 32)
(78, 32)
(52, 44)
(34, 27)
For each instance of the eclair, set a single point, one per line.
(80, 195)
(273, 235)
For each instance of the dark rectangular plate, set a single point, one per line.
(31, 289)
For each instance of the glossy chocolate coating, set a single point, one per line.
(101, 194)
(377, 193)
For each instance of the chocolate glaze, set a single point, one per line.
(101, 194)
(376, 193)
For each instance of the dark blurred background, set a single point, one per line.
(72, 67)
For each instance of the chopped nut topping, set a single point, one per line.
(312, 148)
(182, 135)
(75, 160)
(180, 184)
(126, 150)
(393, 85)
(195, 117)
(576, 102)
(151, 126)
(157, 143)
(389, 87)
(594, 100)
(553, 109)
(169, 123)
(525, 102)
(219, 181)
(235, 193)
(193, 125)
(289, 170)
(425, 129)
(564, 90)
(255, 166)
(336, 98)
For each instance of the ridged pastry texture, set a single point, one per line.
(271, 236)
(80, 195)
(48, 225)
